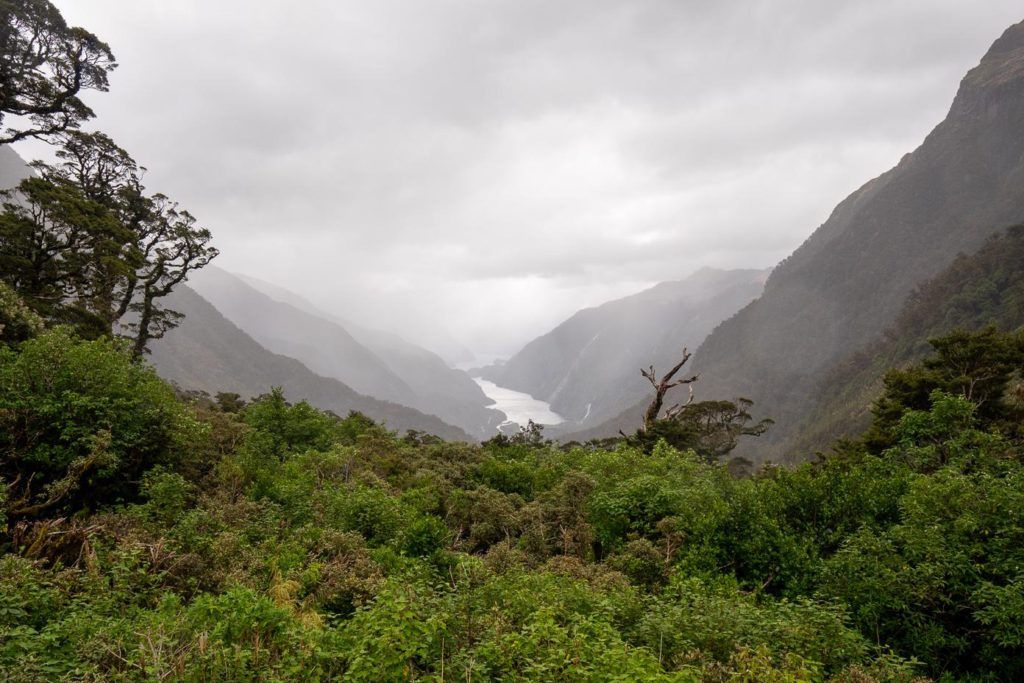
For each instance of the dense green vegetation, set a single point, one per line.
(977, 290)
(149, 536)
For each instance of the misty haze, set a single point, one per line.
(649, 340)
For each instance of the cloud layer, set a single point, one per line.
(487, 167)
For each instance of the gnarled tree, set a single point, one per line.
(44, 66)
(662, 387)
(83, 243)
(710, 428)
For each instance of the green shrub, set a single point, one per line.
(693, 623)
(80, 422)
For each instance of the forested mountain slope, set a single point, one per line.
(373, 363)
(975, 291)
(848, 282)
(588, 367)
(209, 353)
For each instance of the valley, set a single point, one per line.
(280, 454)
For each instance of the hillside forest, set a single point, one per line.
(151, 531)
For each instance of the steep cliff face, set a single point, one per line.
(588, 367)
(849, 280)
(976, 291)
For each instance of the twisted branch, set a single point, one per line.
(661, 388)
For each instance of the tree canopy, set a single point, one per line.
(45, 66)
(84, 244)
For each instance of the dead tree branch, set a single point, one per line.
(661, 388)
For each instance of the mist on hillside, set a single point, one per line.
(665, 341)
(470, 175)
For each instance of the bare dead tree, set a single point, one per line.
(662, 386)
(678, 408)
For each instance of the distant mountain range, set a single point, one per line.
(588, 368)
(436, 342)
(373, 363)
(259, 335)
(849, 281)
(209, 353)
(807, 342)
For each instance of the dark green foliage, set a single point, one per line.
(424, 536)
(46, 65)
(641, 561)
(691, 617)
(18, 322)
(49, 236)
(314, 548)
(282, 428)
(712, 429)
(958, 544)
(977, 366)
(230, 402)
(80, 422)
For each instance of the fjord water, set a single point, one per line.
(518, 407)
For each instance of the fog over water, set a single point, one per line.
(471, 172)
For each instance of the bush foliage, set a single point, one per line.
(192, 539)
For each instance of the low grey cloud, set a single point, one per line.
(489, 166)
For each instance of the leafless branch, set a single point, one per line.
(662, 386)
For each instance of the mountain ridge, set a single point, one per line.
(587, 367)
(373, 363)
(982, 289)
(847, 283)
(208, 352)
(13, 169)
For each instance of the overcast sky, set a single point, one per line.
(488, 167)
